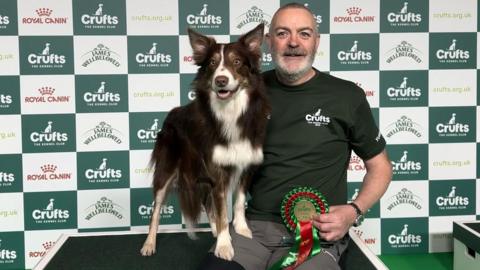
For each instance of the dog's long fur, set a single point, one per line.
(215, 141)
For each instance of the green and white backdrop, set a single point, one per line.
(85, 86)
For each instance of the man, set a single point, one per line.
(316, 121)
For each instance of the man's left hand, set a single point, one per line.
(334, 225)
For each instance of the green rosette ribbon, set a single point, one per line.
(298, 207)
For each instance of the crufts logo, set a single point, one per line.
(46, 59)
(101, 97)
(404, 91)
(404, 17)
(149, 134)
(145, 211)
(6, 255)
(405, 166)
(452, 201)
(50, 214)
(452, 128)
(103, 172)
(452, 54)
(48, 136)
(404, 239)
(317, 18)
(317, 119)
(99, 19)
(153, 58)
(354, 55)
(4, 21)
(5, 101)
(204, 18)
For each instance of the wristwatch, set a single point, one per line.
(359, 219)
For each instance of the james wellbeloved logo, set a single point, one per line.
(254, 15)
(153, 54)
(404, 50)
(208, 16)
(354, 52)
(48, 133)
(101, 53)
(44, 55)
(452, 197)
(50, 210)
(317, 119)
(403, 88)
(9, 95)
(404, 16)
(404, 235)
(456, 50)
(101, 93)
(404, 124)
(404, 197)
(44, 15)
(142, 208)
(106, 17)
(104, 206)
(102, 131)
(49, 172)
(452, 124)
(353, 15)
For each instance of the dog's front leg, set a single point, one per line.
(223, 248)
(239, 221)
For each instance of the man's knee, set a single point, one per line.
(212, 262)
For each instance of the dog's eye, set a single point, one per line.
(236, 62)
(212, 62)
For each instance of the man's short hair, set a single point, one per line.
(298, 6)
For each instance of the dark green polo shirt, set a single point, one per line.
(312, 129)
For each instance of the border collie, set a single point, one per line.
(215, 142)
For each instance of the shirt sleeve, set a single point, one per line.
(365, 137)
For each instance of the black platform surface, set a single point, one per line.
(175, 251)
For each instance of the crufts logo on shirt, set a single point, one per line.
(317, 119)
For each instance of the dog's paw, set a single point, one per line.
(148, 249)
(224, 251)
(244, 231)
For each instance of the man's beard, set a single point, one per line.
(293, 75)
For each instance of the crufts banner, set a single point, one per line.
(86, 85)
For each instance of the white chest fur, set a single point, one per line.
(239, 153)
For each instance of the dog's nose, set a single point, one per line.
(221, 81)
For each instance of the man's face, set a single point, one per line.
(293, 41)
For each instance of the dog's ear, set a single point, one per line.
(253, 39)
(200, 45)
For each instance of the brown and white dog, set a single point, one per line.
(215, 142)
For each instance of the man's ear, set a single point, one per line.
(200, 45)
(253, 39)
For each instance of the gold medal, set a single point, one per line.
(304, 210)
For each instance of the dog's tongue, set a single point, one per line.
(224, 94)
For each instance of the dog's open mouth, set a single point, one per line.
(225, 94)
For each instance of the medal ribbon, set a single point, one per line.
(307, 240)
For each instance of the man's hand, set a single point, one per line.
(335, 224)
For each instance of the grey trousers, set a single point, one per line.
(271, 241)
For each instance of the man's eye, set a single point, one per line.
(281, 34)
(305, 35)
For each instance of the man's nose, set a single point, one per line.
(293, 42)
